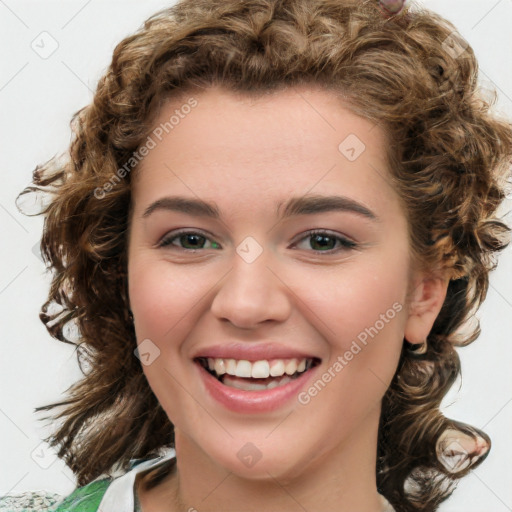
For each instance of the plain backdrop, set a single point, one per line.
(53, 53)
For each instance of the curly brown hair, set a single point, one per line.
(449, 157)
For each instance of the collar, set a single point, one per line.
(119, 496)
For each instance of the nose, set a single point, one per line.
(251, 294)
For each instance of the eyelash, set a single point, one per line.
(346, 244)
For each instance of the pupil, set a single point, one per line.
(321, 240)
(187, 238)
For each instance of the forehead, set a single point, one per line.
(291, 141)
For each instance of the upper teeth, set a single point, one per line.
(258, 369)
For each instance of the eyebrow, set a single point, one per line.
(302, 205)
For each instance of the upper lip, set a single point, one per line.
(250, 351)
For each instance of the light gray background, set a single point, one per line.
(37, 99)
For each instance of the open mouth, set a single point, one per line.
(257, 375)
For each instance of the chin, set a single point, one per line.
(250, 463)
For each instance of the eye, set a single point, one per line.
(194, 239)
(322, 241)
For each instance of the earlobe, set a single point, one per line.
(425, 303)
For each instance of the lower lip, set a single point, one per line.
(241, 401)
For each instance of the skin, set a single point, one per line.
(247, 154)
(393, 6)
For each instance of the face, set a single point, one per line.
(325, 281)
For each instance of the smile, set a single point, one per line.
(257, 375)
(257, 386)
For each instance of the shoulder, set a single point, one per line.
(82, 499)
(29, 501)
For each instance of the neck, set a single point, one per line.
(339, 480)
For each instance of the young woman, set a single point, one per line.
(274, 221)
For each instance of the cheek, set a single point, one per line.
(371, 302)
(163, 296)
(359, 311)
(353, 303)
(361, 319)
(374, 302)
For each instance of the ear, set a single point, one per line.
(425, 301)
